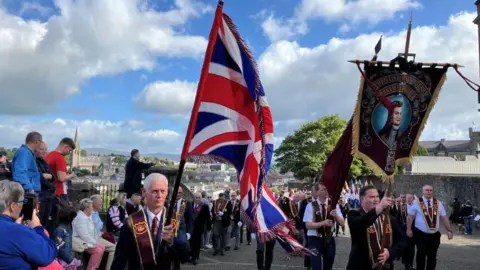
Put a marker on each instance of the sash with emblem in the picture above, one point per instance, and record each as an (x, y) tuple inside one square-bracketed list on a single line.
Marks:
[(321, 215), (220, 206), (235, 208), (293, 209), (375, 240), (143, 238), (430, 214), (177, 217)]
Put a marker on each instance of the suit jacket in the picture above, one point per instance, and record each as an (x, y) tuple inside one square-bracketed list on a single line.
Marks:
[(133, 176), (126, 251), (358, 223), (201, 217), (284, 204), (226, 214), (299, 221), (236, 212)]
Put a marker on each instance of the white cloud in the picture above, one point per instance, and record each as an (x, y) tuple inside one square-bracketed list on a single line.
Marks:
[(277, 28), (350, 13), (121, 136), (302, 81), (171, 98), (372, 11), (34, 7), (49, 60)]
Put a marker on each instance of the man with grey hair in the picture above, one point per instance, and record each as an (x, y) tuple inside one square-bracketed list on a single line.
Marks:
[(146, 229), (22, 246), (201, 222)]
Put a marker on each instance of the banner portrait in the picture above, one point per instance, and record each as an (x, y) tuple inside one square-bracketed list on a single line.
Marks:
[(392, 109)]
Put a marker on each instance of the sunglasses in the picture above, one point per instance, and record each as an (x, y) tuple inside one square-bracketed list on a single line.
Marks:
[(24, 201)]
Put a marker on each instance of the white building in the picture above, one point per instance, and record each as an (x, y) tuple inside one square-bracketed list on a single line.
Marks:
[(445, 165)]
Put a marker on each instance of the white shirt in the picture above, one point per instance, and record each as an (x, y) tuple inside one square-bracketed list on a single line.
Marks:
[(309, 217), (420, 224), (151, 216)]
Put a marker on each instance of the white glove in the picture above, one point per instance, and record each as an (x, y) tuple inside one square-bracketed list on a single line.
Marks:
[(231, 217), (239, 224), (220, 213), (188, 236)]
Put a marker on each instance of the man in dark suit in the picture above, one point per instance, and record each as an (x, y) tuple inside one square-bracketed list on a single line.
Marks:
[(133, 173), (236, 222), (221, 211), (368, 227), (201, 221), (140, 237)]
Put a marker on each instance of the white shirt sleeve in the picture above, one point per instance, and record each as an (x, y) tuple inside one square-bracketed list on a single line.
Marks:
[(412, 210), (308, 217), (339, 212), (441, 209)]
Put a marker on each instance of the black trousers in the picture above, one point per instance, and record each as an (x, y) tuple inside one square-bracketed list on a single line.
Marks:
[(326, 252), (248, 234), (427, 247), (47, 213), (409, 253), (195, 243)]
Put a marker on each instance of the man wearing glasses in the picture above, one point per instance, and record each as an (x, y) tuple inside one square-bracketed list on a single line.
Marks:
[(24, 164)]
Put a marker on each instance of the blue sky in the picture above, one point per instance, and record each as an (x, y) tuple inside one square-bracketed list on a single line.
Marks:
[(108, 94)]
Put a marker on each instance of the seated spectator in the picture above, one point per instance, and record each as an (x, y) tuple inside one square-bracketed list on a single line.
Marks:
[(5, 167), (133, 204), (106, 239), (63, 237), (84, 230), (117, 213), (22, 246)]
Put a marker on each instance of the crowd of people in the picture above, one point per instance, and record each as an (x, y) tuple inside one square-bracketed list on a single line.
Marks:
[(57, 235), (410, 232)]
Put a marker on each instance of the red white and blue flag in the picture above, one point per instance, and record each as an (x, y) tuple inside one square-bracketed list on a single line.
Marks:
[(232, 122)]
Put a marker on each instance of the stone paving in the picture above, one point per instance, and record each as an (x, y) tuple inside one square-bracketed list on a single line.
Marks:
[(462, 253)]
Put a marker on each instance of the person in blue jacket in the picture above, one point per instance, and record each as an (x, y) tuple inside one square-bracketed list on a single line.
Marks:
[(24, 164), (22, 247)]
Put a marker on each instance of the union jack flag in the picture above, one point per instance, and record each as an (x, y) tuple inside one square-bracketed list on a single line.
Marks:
[(232, 122)]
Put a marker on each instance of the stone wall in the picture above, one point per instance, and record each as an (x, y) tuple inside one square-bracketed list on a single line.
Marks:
[(445, 187)]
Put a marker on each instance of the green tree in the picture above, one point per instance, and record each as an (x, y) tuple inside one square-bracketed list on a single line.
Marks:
[(83, 153), (421, 151), (306, 150)]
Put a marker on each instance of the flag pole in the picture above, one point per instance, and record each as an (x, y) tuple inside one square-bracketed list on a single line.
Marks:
[(193, 117)]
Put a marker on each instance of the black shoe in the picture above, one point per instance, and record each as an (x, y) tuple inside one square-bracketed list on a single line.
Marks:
[(236, 248), (194, 262), (227, 248), (221, 253), (249, 243), (215, 253)]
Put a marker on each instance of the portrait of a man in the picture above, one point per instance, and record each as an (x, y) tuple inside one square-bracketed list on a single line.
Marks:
[(391, 130)]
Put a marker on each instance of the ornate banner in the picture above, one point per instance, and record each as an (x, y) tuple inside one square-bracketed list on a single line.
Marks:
[(392, 108)]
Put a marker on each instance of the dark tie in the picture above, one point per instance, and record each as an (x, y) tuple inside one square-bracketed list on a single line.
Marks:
[(378, 228), (155, 228), (324, 215), (430, 209)]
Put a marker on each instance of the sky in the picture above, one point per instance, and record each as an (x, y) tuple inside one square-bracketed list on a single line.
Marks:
[(125, 71)]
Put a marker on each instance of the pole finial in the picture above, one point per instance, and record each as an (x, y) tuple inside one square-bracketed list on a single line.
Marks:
[(409, 33)]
